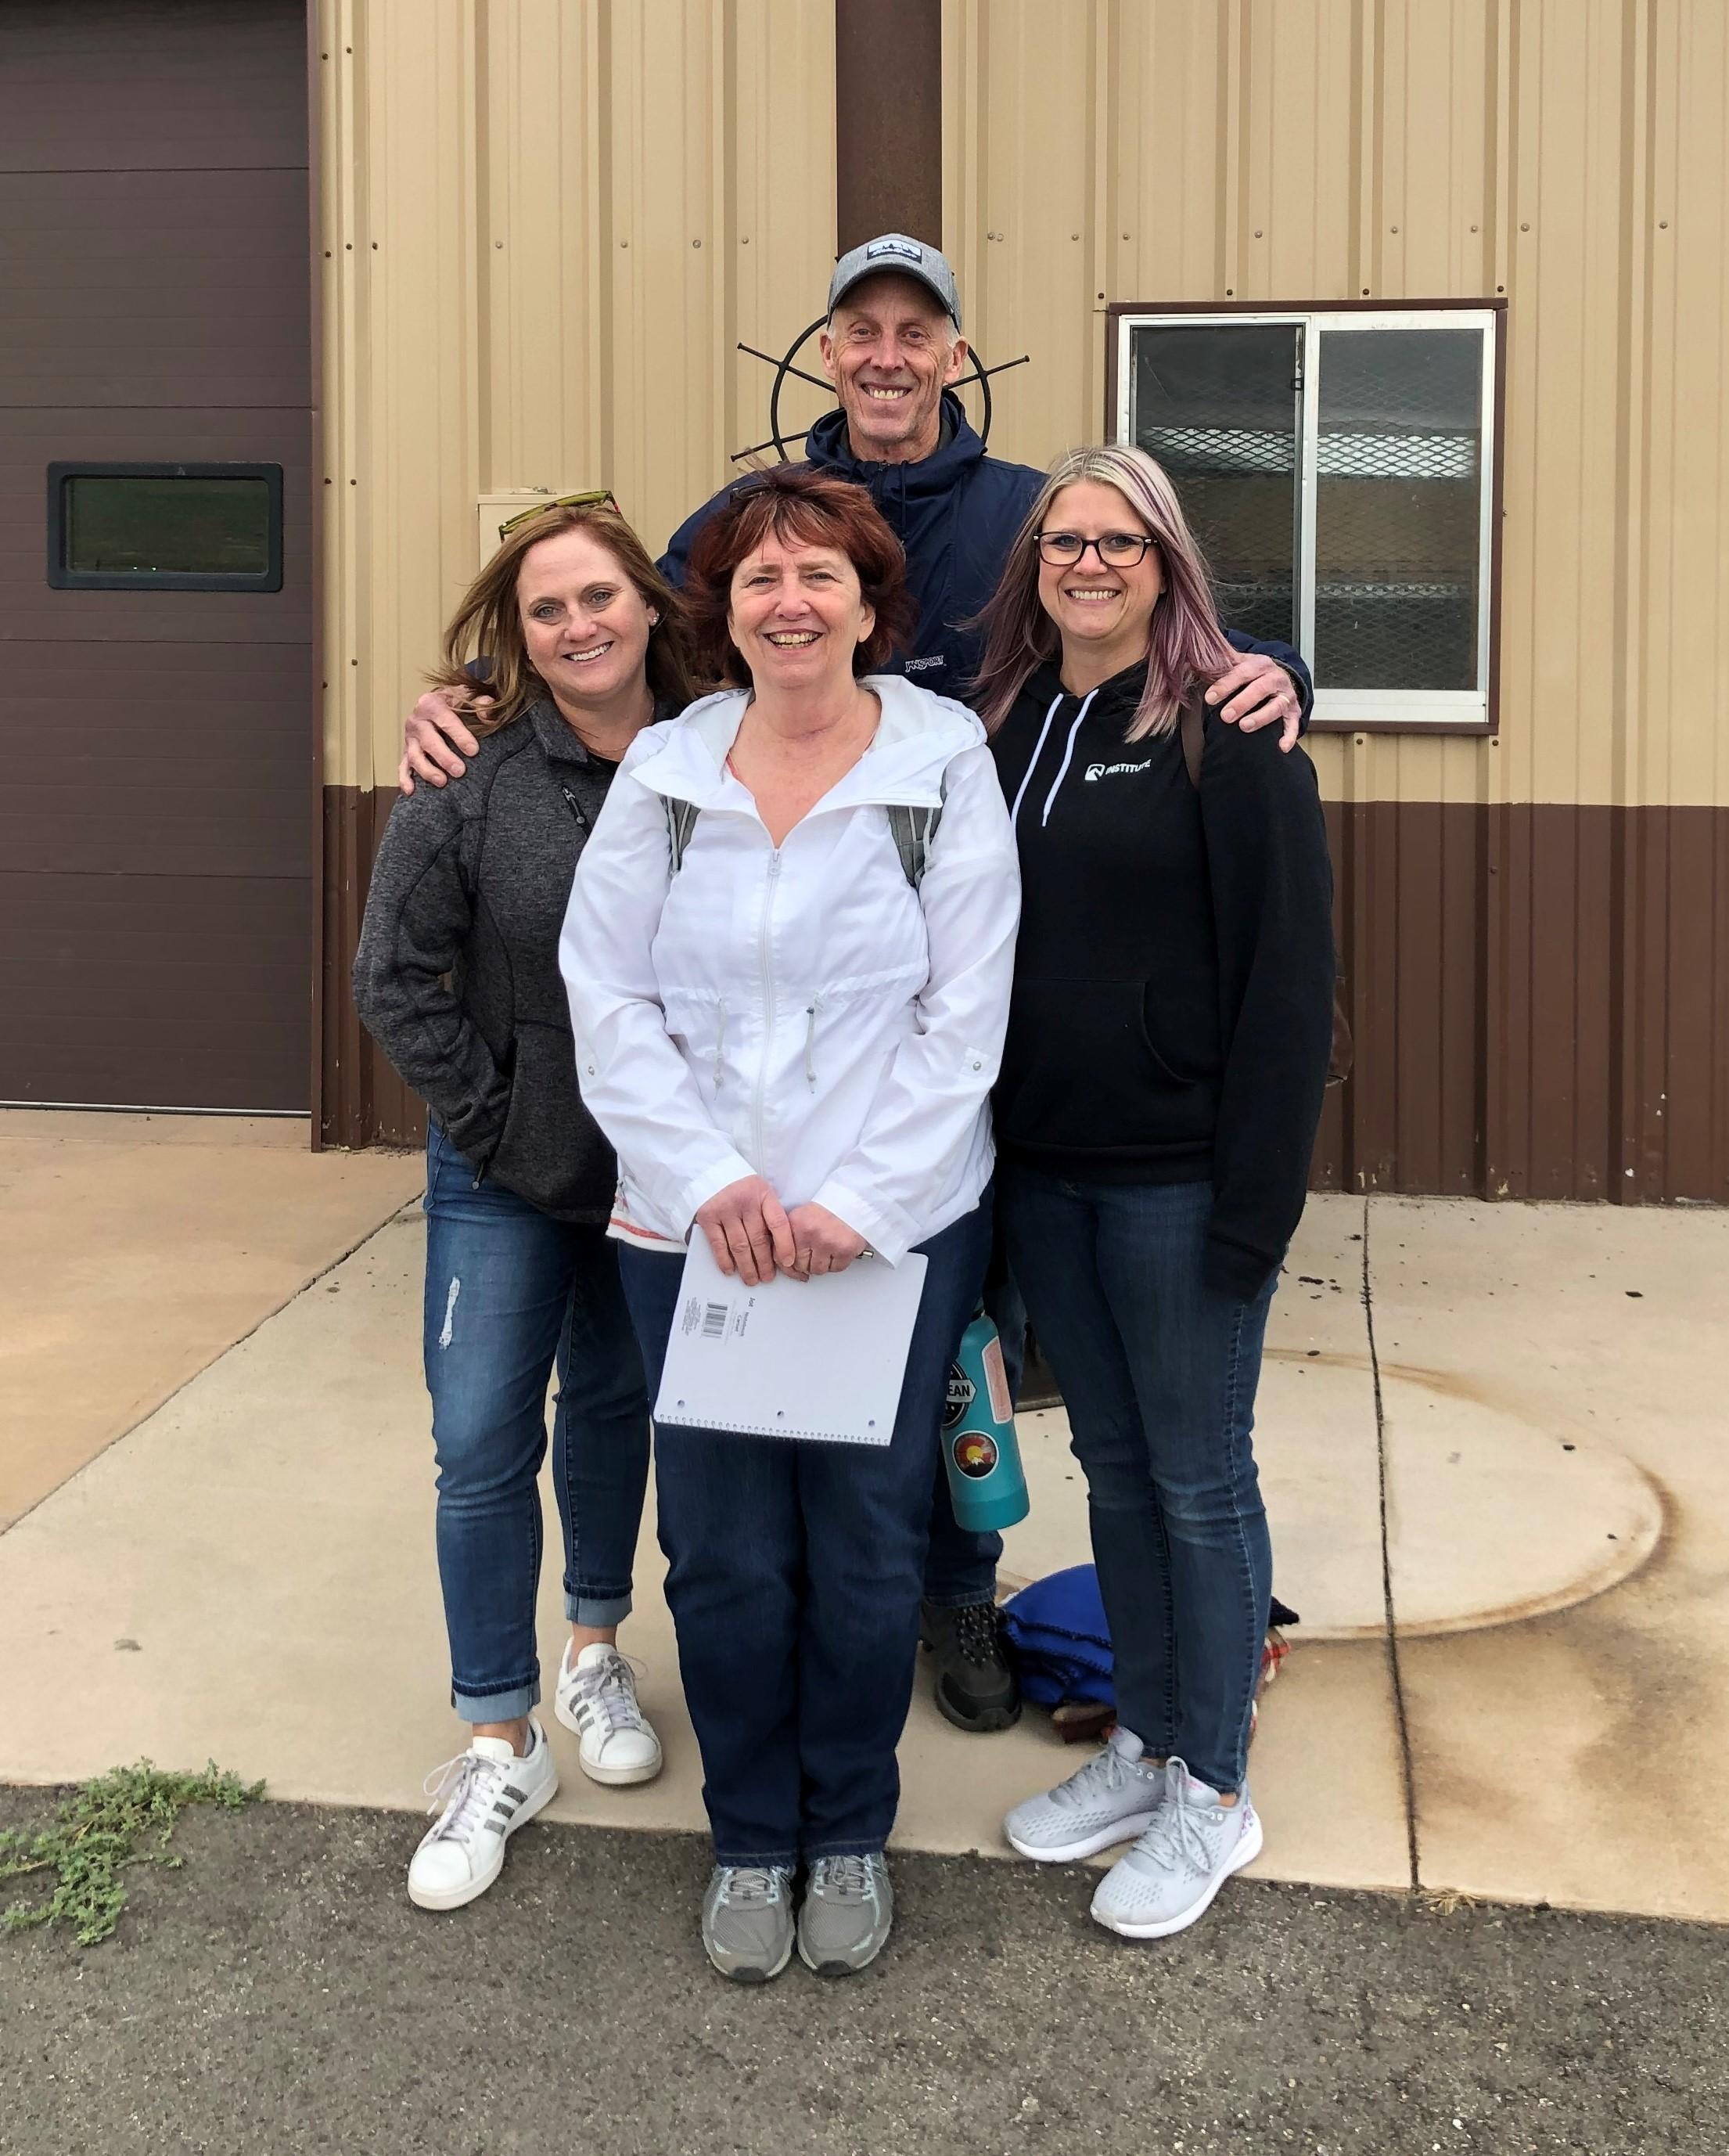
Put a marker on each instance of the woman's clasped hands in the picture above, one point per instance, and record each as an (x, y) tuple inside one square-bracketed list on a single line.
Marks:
[(752, 1233)]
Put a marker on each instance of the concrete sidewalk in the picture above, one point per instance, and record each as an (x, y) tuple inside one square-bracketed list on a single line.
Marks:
[(1492, 1443)]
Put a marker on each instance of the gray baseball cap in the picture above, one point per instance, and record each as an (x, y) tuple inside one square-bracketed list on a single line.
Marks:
[(892, 254)]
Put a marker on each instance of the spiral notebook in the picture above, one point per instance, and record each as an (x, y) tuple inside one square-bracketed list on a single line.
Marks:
[(820, 1358)]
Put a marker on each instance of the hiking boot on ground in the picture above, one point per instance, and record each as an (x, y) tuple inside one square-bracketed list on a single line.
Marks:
[(596, 1697), (1114, 1797), (481, 1796), (747, 1921), (1172, 1873), (976, 1689), (848, 1912)]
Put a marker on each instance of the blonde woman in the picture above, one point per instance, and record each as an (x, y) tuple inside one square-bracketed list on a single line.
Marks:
[(584, 645), (1162, 1081)]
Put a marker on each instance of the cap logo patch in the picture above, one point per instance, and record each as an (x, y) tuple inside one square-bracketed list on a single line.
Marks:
[(904, 247)]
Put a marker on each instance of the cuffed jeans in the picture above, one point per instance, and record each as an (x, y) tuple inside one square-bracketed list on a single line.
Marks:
[(510, 1291), (1158, 1372), (794, 1571)]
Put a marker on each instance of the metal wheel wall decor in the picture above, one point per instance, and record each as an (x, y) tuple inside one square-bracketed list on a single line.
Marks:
[(782, 367)]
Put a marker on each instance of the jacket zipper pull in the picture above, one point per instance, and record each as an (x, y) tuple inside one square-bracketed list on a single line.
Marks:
[(810, 1042)]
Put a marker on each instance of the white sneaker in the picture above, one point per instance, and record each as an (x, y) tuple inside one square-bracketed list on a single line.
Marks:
[(596, 1697), (1171, 1874), (485, 1793), (1112, 1799)]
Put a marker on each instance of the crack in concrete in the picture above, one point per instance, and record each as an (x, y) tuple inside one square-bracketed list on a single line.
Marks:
[(1395, 1676)]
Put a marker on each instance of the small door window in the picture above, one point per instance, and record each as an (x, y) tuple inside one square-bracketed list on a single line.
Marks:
[(164, 528)]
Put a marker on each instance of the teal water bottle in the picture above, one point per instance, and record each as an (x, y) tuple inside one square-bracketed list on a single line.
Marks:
[(978, 1442)]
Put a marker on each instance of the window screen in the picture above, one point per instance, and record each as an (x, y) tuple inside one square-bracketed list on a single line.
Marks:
[(185, 528), (1336, 469)]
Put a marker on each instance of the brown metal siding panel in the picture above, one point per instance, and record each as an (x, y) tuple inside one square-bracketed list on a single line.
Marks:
[(154, 991), (888, 120), (154, 830), (365, 1103), (231, 63)]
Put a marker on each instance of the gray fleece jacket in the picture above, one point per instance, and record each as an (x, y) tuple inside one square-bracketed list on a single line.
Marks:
[(457, 974)]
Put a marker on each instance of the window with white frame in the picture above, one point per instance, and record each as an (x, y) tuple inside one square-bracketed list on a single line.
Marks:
[(1337, 469)]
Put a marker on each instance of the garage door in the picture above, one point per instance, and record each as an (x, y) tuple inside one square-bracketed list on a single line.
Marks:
[(156, 601)]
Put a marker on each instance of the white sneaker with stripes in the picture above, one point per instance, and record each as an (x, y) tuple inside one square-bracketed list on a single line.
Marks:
[(482, 1797), (595, 1698)]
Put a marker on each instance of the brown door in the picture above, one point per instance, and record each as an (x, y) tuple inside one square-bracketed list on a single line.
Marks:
[(155, 698)]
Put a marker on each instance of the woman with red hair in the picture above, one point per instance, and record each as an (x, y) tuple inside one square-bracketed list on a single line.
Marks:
[(788, 952)]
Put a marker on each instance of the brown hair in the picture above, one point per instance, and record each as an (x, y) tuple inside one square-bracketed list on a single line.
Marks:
[(488, 624), (797, 502), (1185, 644)]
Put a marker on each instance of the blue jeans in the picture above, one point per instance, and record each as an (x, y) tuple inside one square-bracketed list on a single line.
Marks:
[(1158, 1373), (793, 1573), (509, 1292), (961, 1566)]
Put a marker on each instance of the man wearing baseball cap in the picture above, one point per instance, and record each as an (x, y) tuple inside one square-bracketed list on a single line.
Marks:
[(893, 348)]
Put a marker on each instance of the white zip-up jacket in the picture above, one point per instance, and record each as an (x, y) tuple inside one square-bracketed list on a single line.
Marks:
[(798, 1012)]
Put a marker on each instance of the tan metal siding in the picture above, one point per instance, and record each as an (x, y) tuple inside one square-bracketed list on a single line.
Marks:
[(547, 224), (1567, 151)]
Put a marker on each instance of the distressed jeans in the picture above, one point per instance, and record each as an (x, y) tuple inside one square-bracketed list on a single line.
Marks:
[(1158, 1373), (509, 1292), (794, 1569)]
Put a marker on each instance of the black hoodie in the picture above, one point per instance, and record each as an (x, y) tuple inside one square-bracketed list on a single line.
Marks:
[(1172, 1007)]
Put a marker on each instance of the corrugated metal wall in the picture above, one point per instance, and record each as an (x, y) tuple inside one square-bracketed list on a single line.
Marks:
[(1538, 926), (545, 227)]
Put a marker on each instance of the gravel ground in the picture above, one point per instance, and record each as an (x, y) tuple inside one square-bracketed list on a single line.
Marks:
[(279, 1995)]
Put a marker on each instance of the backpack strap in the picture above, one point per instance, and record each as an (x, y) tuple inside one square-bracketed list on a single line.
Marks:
[(680, 822), (1192, 726), (913, 829)]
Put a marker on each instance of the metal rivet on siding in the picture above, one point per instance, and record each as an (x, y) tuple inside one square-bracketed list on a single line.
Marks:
[(1474, 228), (375, 247), (1257, 232), (696, 243), (1365, 291), (744, 243), (993, 235), (1501, 288), (1074, 235), (1126, 235), (348, 246), (1663, 224), (498, 244), (1230, 293), (1525, 227), (624, 243)]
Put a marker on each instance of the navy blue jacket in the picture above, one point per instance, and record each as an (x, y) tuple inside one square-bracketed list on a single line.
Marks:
[(955, 512)]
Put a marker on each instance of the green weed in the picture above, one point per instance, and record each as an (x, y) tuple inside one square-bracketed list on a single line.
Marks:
[(96, 1833)]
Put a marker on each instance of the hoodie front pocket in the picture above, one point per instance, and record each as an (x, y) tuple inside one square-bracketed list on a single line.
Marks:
[(1080, 1072)]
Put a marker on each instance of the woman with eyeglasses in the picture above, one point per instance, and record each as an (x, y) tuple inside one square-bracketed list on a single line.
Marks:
[(1161, 1082), (457, 978)]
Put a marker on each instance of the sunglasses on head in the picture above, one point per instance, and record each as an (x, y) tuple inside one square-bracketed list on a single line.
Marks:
[(593, 499)]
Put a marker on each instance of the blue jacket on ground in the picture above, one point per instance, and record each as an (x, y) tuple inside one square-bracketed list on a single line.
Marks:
[(955, 512)]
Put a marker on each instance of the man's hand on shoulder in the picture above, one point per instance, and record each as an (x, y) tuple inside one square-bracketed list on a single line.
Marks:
[(1256, 692), (435, 740)]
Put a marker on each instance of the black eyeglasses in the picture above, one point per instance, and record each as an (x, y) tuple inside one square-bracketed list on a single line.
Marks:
[(1116, 549)]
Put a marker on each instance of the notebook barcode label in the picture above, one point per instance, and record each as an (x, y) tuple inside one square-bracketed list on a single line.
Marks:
[(714, 1320)]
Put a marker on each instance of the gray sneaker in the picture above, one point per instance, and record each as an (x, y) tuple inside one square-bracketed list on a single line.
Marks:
[(848, 1909), (1171, 1874), (1112, 1799), (747, 1921)]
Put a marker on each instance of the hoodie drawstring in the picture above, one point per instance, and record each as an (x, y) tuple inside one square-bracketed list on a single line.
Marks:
[(1068, 753), (1037, 750), (720, 1040)]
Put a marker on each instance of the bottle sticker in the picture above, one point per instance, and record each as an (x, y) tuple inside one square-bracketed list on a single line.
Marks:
[(975, 1453), (995, 1379), (958, 1396)]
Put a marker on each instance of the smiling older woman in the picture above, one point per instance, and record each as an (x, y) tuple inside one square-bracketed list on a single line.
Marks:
[(788, 1010)]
